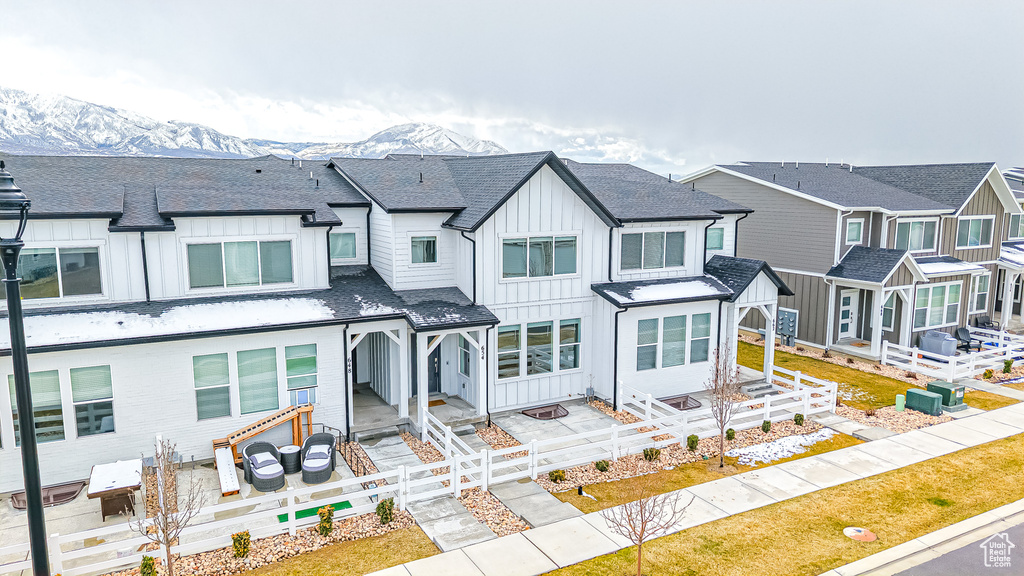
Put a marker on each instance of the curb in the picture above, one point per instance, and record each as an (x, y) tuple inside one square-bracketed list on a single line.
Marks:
[(934, 544)]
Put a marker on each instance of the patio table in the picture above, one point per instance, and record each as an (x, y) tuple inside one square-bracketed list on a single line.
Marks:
[(115, 485), (290, 459)]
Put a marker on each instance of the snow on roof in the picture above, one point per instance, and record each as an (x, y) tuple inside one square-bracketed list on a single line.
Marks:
[(947, 267), (695, 288), (1012, 255), (72, 328)]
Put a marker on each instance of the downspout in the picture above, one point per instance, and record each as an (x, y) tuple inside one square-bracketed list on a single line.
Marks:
[(348, 382), (463, 232), (329, 228), (487, 377), (840, 237), (710, 224), (145, 265), (719, 323), (610, 252), (368, 209), (736, 235), (615, 362)]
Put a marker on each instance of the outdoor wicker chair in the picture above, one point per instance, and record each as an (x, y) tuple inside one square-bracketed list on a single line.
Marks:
[(318, 458), (268, 475)]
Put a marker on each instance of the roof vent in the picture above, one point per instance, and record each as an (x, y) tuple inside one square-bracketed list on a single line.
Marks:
[(259, 171), (421, 177), (310, 174)]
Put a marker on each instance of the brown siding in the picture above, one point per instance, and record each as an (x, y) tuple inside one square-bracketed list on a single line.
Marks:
[(811, 299), (901, 277), (893, 336), (965, 290), (877, 218), (865, 237), (985, 202), (785, 231)]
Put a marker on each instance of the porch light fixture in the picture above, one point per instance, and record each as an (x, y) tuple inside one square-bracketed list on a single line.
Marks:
[(14, 204)]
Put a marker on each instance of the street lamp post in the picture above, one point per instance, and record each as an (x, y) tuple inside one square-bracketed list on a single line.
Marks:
[(14, 203)]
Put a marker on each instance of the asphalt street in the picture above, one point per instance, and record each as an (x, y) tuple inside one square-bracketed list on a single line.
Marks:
[(970, 559)]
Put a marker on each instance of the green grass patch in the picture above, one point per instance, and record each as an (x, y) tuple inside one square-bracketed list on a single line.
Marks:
[(804, 535), (309, 512)]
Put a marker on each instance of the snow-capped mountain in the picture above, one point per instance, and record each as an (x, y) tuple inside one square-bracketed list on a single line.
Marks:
[(37, 124)]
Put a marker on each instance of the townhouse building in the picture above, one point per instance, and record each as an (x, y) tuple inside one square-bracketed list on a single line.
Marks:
[(189, 297)]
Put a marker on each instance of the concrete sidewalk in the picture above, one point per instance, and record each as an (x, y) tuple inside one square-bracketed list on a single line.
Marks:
[(543, 549)]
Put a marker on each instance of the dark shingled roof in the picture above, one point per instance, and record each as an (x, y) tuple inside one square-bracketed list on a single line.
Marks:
[(867, 264), (357, 294), (738, 273), (394, 182), (937, 187), (621, 294), (634, 194), (126, 189)]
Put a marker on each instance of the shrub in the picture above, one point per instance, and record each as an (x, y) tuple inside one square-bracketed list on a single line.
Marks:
[(826, 355), (691, 442), (556, 476), (652, 454), (386, 510), (876, 366), (1007, 366), (910, 375), (798, 419), (730, 434), (766, 426), (849, 360), (988, 374), (799, 348), (148, 566), (869, 412), (326, 524), (240, 544), (602, 465)]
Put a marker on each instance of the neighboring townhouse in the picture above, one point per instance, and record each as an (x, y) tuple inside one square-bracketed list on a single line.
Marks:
[(877, 253), (190, 298)]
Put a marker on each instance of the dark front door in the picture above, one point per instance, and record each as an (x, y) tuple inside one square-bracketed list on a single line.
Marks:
[(434, 371)]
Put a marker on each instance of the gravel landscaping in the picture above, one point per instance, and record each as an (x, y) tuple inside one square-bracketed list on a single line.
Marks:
[(890, 419), (498, 439)]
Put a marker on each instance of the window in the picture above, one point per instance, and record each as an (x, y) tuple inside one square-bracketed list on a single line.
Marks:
[(538, 348), (235, 264), (213, 390), (974, 232), (424, 249), (48, 413), (464, 356), (937, 305), (538, 257), (569, 344), (915, 235), (1016, 226), (300, 372), (508, 351), (257, 380), (854, 230), (677, 334), (889, 313), (92, 394), (716, 239), (652, 250), (343, 245), (979, 293), (41, 277)]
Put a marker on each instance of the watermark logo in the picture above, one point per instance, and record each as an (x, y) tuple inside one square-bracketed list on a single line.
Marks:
[(997, 550)]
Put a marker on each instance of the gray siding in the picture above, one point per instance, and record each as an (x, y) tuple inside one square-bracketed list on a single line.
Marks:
[(865, 234), (901, 277), (785, 231), (877, 220), (985, 202), (811, 299)]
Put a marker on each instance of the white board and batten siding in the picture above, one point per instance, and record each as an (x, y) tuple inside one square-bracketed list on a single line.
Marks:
[(761, 291), (454, 382), (143, 377), (353, 220), (543, 206), (382, 243), (120, 255), (409, 276), (728, 226), (167, 256), (693, 255)]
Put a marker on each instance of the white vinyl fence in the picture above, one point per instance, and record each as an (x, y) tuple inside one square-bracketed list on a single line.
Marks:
[(213, 527), (997, 347)]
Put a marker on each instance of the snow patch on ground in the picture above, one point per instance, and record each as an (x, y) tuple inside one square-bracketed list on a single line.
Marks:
[(98, 326), (779, 449)]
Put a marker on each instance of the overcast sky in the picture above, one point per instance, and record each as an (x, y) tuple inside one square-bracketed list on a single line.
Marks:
[(670, 86)]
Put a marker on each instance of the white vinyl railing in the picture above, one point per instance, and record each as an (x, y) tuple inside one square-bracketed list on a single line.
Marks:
[(997, 347), (440, 435)]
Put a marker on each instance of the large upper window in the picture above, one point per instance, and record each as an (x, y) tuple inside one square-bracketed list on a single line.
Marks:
[(424, 249), (93, 396), (854, 230), (540, 347), (979, 293), (343, 245), (77, 275), (937, 305), (1016, 226), (234, 264), (915, 235), (672, 336), (213, 389), (257, 380), (48, 413), (300, 368), (716, 239), (537, 257), (652, 250), (974, 232)]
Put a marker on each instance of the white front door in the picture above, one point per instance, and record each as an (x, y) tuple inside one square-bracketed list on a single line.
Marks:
[(848, 313)]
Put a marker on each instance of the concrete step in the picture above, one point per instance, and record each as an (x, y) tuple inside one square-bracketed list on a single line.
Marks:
[(464, 429), (758, 389), (375, 433)]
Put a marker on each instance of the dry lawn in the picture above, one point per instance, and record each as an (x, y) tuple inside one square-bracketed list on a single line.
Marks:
[(987, 400), (804, 535), (356, 556), (610, 494)]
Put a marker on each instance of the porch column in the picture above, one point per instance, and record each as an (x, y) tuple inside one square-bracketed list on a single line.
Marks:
[(404, 356), (769, 341), (830, 319), (1006, 310), (481, 374), (907, 321), (422, 394), (349, 379), (876, 322)]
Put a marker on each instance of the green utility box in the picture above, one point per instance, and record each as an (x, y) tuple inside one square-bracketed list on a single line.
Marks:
[(927, 402), (952, 395)]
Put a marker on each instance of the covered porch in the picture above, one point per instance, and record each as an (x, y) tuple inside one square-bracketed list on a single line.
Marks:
[(1008, 287), (451, 376)]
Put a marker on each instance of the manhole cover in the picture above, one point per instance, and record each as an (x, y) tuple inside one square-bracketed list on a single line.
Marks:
[(861, 534)]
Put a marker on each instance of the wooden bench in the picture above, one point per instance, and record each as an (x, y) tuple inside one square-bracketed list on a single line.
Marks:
[(225, 462)]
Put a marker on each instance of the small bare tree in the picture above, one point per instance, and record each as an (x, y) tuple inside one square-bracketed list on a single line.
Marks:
[(647, 515), (173, 508), (724, 385)]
